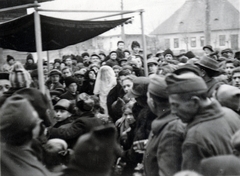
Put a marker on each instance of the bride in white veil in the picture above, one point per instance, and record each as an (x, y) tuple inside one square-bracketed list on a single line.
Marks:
[(105, 81)]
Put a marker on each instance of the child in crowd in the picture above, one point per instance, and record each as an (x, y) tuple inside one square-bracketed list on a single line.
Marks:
[(63, 110)]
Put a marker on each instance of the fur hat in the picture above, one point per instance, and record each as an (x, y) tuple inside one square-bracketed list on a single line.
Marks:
[(18, 117), (95, 152), (19, 77), (69, 80)]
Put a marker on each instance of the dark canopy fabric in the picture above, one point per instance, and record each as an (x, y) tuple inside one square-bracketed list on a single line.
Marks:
[(11, 3), (19, 34)]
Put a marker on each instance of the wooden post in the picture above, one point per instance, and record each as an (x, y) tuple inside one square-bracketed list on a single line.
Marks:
[(207, 31), (122, 26), (144, 45), (38, 37)]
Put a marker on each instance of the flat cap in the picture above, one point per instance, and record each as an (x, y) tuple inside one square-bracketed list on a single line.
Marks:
[(185, 83), (55, 72)]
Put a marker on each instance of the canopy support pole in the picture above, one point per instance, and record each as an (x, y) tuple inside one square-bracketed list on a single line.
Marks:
[(144, 46), (18, 7), (38, 37)]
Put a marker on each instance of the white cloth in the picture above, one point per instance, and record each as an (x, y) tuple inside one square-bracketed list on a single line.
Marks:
[(105, 81)]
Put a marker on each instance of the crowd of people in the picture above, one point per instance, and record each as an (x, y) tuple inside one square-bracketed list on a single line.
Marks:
[(101, 115)]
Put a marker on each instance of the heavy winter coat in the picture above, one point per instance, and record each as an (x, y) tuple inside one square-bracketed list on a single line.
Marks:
[(209, 134), (163, 154)]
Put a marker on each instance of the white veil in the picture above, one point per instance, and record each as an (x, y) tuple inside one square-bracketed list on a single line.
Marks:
[(105, 81)]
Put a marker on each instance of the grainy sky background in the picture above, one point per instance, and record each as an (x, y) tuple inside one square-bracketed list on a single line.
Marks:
[(156, 11)]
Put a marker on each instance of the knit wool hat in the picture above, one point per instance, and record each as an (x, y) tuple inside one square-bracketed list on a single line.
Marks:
[(69, 80), (185, 83), (17, 117), (19, 77), (94, 152), (158, 86)]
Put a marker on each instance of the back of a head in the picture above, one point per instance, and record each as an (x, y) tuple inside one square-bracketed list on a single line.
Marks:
[(19, 77), (18, 119), (224, 165), (94, 152), (39, 102)]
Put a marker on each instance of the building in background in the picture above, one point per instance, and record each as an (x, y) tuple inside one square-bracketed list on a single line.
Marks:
[(185, 28)]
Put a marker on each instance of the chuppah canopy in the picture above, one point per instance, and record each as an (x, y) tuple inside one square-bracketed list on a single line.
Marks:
[(19, 34)]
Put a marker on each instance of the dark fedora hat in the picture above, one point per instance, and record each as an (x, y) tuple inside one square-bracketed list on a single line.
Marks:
[(209, 47), (209, 63)]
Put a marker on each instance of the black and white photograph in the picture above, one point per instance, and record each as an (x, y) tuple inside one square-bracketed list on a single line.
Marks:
[(120, 87)]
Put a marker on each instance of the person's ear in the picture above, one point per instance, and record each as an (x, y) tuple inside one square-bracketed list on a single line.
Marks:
[(196, 101), (202, 72)]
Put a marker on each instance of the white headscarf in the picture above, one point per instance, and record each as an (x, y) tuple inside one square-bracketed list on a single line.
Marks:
[(105, 81)]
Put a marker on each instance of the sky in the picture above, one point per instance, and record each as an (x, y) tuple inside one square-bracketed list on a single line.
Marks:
[(155, 11)]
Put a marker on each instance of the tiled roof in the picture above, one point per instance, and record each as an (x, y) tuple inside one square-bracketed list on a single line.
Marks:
[(191, 17)]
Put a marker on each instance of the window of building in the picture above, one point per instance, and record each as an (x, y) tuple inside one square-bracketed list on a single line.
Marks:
[(176, 43), (222, 40), (167, 43), (193, 42), (202, 41)]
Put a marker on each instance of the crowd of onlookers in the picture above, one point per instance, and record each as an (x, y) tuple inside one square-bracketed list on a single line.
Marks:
[(101, 115)]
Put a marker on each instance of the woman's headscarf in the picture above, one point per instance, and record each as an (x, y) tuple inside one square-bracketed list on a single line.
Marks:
[(105, 81)]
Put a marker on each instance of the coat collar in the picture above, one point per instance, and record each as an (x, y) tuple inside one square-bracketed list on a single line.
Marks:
[(210, 112), (162, 121)]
